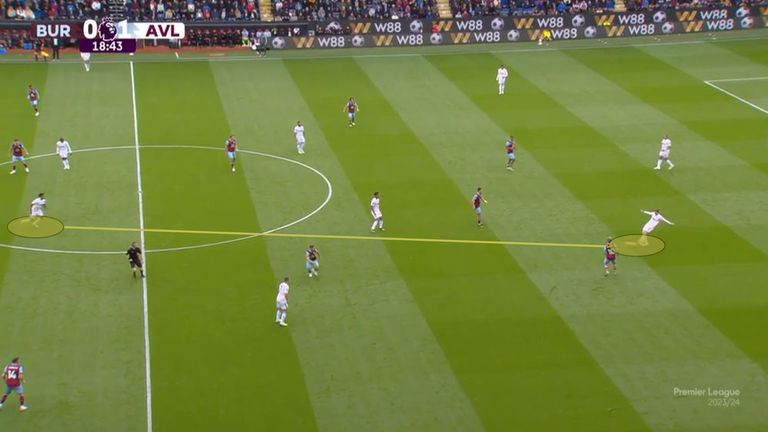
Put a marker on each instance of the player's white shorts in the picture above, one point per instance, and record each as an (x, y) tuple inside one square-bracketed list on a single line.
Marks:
[(376, 214), (282, 305), (502, 80), (34, 103), (85, 56), (664, 154), (64, 155), (300, 140), (650, 226), (36, 212)]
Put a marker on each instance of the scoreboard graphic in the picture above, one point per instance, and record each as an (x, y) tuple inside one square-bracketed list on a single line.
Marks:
[(108, 36)]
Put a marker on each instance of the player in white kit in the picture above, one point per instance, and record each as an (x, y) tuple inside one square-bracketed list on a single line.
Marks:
[(86, 60), (63, 149), (298, 132), (652, 223), (282, 302), (666, 147), (378, 218), (501, 78)]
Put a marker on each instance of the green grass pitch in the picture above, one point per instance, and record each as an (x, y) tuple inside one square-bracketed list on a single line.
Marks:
[(395, 335)]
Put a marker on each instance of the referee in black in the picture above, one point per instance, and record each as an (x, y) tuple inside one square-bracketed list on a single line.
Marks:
[(136, 259)]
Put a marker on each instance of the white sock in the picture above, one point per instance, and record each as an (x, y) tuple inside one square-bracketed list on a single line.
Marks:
[(373, 227), (669, 162), (658, 163), (381, 224), (87, 68), (277, 315), (282, 318)]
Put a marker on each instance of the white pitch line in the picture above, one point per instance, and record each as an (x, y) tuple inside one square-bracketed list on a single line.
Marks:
[(738, 98), (144, 249), (738, 79)]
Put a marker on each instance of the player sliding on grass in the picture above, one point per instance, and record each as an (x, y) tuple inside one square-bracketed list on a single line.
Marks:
[(17, 152), (378, 218), (652, 223), (666, 147), (610, 256), (231, 145), (477, 200), (511, 146), (13, 375), (351, 109)]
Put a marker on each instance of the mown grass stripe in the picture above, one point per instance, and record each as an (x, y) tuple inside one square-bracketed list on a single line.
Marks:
[(217, 324)]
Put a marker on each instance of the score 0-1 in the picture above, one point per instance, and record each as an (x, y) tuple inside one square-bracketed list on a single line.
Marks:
[(106, 36)]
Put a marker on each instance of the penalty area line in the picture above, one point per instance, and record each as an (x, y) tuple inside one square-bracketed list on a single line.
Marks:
[(336, 237)]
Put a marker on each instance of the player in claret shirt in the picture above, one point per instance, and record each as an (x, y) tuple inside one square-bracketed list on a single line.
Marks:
[(13, 375), (231, 145), (351, 109), (33, 97), (610, 256), (313, 261), (17, 152), (510, 147), (477, 200)]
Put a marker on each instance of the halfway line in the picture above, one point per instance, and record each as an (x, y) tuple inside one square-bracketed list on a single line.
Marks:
[(337, 237)]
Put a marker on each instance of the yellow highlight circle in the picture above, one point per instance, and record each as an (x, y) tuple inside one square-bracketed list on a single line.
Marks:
[(637, 245), (35, 226)]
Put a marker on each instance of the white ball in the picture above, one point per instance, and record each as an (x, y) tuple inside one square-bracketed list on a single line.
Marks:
[(578, 20), (659, 17), (742, 12), (416, 26), (590, 32), (668, 27), (436, 38), (513, 35), (278, 43), (358, 41), (497, 24), (747, 22)]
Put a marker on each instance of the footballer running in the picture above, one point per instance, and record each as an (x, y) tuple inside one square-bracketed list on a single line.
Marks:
[(653, 222), (63, 149), (378, 218), (298, 133), (282, 302), (13, 375), (510, 146), (351, 109), (313, 261), (33, 97), (135, 259), (666, 147), (609, 250), (231, 146)]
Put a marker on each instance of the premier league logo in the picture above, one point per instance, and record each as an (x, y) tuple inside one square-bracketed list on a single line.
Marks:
[(107, 30)]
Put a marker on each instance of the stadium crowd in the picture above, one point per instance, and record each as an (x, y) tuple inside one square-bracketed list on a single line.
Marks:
[(306, 10), (327, 10)]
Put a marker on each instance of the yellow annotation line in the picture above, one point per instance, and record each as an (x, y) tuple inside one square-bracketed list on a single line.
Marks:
[(336, 237)]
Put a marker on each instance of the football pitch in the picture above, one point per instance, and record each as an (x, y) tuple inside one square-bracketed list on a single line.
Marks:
[(434, 324)]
